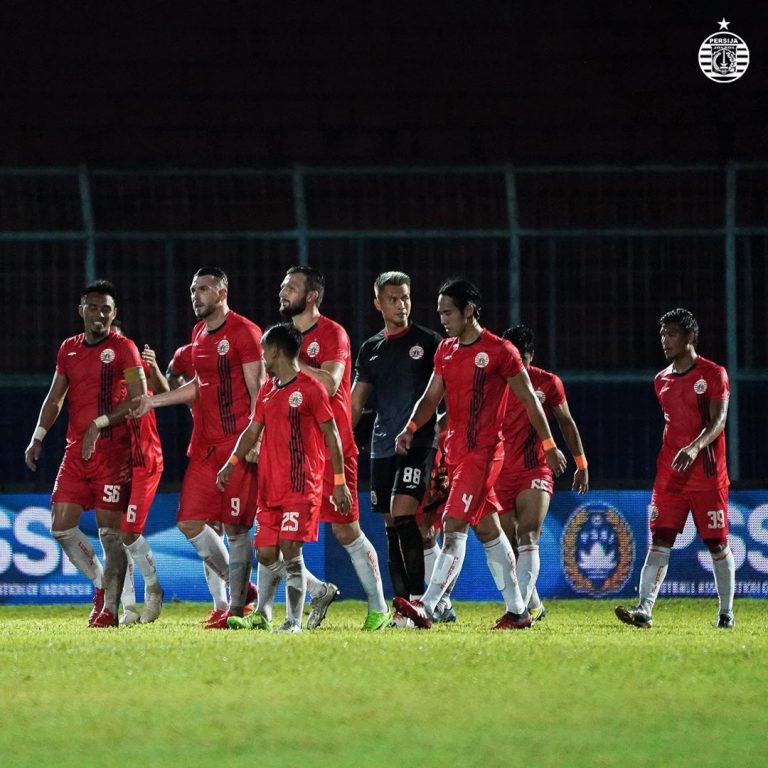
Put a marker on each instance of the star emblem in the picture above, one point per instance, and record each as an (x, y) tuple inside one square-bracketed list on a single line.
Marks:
[(723, 24)]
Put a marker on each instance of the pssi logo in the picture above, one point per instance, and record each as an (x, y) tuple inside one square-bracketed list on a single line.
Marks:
[(598, 550)]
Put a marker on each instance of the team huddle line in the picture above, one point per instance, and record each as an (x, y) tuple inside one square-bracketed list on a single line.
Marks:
[(461, 439)]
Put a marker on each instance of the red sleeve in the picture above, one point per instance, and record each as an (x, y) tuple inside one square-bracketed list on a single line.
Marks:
[(258, 410), (249, 343), (555, 392), (719, 387), (657, 388), (129, 355), (61, 361), (510, 363), (438, 363), (182, 362), (336, 348)]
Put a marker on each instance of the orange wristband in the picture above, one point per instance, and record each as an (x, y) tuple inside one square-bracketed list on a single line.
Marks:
[(548, 444), (411, 426), (581, 461), (233, 460), (339, 479)]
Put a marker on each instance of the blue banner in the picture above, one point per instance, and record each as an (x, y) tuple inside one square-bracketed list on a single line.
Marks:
[(590, 547)]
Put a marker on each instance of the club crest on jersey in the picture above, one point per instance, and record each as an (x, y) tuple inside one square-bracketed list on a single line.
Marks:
[(295, 399), (416, 352), (597, 550), (374, 498), (222, 347), (313, 350), (482, 359), (700, 387), (107, 355), (542, 397)]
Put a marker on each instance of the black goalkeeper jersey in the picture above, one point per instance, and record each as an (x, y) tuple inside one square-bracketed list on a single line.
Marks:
[(399, 368)]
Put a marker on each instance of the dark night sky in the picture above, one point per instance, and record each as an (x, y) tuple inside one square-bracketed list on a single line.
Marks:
[(139, 84)]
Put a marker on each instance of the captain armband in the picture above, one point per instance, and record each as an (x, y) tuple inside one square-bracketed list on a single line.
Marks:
[(132, 375)]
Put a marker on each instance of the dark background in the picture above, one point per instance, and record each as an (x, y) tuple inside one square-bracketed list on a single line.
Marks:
[(134, 85), (130, 84)]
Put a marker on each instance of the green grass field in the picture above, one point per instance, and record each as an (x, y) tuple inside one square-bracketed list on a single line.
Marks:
[(579, 689)]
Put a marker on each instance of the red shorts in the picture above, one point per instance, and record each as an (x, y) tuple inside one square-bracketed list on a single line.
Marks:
[(103, 482), (510, 485), (328, 511), (669, 511), (294, 522), (143, 489), (200, 499), (472, 497)]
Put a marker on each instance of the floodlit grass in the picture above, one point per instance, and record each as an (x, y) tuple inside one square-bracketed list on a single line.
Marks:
[(579, 689)]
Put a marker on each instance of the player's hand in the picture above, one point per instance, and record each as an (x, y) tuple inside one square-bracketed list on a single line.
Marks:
[(403, 442), (90, 437), (252, 456), (32, 454), (140, 406), (225, 473), (555, 460), (342, 498), (149, 357), (580, 481), (685, 458)]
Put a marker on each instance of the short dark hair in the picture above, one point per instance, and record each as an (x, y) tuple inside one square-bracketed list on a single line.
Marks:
[(685, 319), (286, 337), (390, 278), (315, 279), (100, 286), (522, 337), (219, 274), (463, 293)]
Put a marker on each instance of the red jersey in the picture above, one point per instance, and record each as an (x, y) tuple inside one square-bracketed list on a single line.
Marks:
[(182, 363), (292, 457), (95, 376), (475, 377), (146, 449), (223, 406), (522, 446), (684, 398), (326, 341)]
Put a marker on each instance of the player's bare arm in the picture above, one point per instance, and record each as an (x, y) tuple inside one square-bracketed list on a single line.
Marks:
[(136, 384), (718, 413), (422, 412), (341, 495), (330, 374), (249, 437), (361, 391), (156, 382), (520, 384), (573, 440), (184, 395), (49, 412)]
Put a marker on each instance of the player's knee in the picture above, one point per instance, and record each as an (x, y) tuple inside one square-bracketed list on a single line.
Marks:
[(716, 546), (190, 528), (346, 533), (529, 537), (129, 537)]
